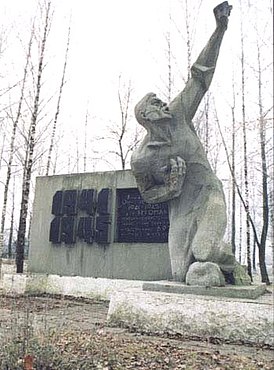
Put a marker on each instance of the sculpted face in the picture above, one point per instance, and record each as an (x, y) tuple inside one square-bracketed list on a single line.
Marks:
[(152, 110)]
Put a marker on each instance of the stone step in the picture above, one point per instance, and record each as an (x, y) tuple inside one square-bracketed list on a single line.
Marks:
[(248, 292)]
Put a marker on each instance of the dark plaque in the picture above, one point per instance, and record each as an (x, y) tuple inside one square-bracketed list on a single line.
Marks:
[(104, 202), (81, 214), (103, 229), (68, 229), (87, 201), (70, 202), (57, 204), (54, 234), (85, 230), (138, 221), (103, 220)]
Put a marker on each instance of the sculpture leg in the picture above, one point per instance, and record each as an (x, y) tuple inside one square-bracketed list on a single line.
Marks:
[(179, 243), (184, 214), (208, 247), (182, 230), (197, 227), (211, 229)]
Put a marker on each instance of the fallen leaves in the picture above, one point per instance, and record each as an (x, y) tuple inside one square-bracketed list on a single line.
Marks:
[(28, 362), (110, 351), (94, 346)]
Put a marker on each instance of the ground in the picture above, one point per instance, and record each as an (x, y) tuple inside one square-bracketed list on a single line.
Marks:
[(69, 333)]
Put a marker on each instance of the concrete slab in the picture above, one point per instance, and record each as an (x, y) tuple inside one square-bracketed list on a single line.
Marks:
[(115, 260), (76, 286), (226, 318), (222, 318), (245, 292)]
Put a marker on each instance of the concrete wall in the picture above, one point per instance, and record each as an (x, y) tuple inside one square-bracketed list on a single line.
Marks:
[(142, 261)]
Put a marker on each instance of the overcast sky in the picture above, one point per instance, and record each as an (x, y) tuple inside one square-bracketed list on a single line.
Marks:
[(128, 38)]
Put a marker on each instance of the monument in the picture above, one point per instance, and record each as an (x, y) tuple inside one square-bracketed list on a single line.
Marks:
[(170, 165), (97, 225)]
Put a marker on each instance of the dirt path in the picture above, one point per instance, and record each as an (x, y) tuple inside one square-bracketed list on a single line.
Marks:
[(85, 317)]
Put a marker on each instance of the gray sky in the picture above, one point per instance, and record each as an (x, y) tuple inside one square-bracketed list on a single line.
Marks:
[(128, 38)]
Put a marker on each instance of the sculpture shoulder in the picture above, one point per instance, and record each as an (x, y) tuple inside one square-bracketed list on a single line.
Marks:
[(178, 112)]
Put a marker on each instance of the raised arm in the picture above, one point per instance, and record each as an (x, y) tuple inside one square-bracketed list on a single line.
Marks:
[(203, 69)]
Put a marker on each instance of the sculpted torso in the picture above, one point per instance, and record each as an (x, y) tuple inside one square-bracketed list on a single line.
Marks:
[(171, 154)]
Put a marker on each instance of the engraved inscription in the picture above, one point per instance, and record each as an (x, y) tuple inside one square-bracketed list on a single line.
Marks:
[(138, 221)]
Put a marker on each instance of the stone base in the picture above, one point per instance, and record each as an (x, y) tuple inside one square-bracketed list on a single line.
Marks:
[(232, 319), (225, 319), (230, 291), (76, 286)]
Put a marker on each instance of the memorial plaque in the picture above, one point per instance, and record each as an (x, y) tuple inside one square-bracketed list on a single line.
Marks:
[(70, 202), (68, 229), (103, 220), (87, 201), (138, 221), (81, 214), (54, 233), (57, 204), (85, 229)]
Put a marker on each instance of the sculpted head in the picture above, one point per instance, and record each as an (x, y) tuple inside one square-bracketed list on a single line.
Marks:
[(151, 109)]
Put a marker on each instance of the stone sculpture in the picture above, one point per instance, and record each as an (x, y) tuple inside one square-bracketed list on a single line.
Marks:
[(171, 165)]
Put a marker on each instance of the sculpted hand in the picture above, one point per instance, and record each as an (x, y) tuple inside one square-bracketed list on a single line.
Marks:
[(174, 178), (222, 12), (171, 182)]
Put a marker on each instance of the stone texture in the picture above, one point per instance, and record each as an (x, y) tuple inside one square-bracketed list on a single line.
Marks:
[(205, 274), (14, 283), (140, 261), (153, 312), (240, 275), (171, 165), (188, 315), (76, 286), (228, 291)]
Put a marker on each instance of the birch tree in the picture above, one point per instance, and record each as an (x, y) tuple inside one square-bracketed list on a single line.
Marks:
[(20, 245), (12, 143), (245, 154), (123, 134), (233, 195), (11, 232), (264, 172), (54, 127), (124, 103), (251, 221), (85, 141)]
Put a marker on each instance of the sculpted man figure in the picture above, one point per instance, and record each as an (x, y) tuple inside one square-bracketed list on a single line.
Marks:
[(171, 165)]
